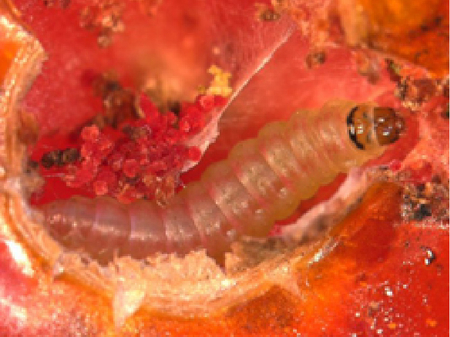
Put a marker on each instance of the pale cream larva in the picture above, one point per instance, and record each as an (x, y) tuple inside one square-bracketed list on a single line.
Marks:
[(262, 180)]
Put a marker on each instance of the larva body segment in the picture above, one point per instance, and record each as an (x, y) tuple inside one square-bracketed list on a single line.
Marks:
[(263, 180), (145, 239)]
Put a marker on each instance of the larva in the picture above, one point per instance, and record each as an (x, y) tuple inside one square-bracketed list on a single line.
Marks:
[(262, 180)]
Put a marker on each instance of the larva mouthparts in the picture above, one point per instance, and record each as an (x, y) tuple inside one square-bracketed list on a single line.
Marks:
[(263, 180)]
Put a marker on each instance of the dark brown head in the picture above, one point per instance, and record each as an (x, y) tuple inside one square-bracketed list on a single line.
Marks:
[(388, 125), (370, 126)]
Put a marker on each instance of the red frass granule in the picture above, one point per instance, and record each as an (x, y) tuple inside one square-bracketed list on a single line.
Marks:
[(139, 158)]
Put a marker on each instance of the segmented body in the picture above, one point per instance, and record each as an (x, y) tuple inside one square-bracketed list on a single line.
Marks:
[(263, 180)]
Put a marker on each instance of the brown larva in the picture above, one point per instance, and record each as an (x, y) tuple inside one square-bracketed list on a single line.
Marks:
[(263, 180)]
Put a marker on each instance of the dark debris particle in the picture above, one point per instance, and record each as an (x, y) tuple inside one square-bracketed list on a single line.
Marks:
[(52, 158), (62, 3), (118, 102), (101, 121), (104, 18), (445, 88), (133, 132), (174, 106), (132, 180), (425, 200), (266, 13), (110, 85), (393, 70), (105, 83), (70, 156), (445, 113), (415, 92), (315, 59), (32, 165), (423, 212), (59, 157), (373, 308), (269, 15)]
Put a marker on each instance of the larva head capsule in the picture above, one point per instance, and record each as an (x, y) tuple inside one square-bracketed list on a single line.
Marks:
[(388, 125), (370, 126)]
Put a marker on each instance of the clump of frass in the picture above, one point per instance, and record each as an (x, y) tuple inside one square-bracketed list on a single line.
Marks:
[(140, 158)]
